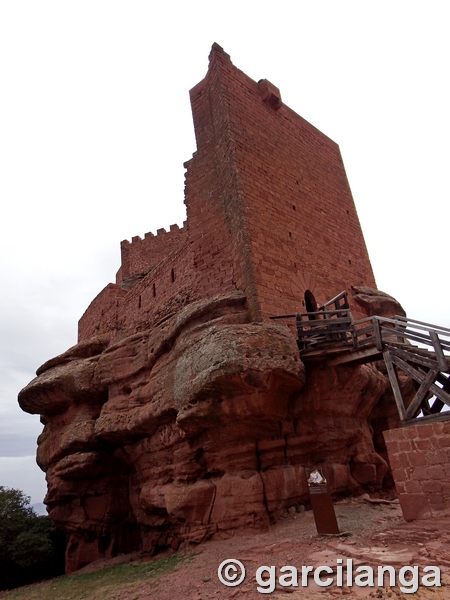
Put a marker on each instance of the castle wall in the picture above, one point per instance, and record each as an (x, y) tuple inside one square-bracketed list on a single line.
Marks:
[(419, 457), (269, 213), (101, 315), (141, 255), (166, 289), (211, 194)]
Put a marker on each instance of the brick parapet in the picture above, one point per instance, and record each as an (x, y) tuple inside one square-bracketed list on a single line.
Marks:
[(419, 456), (141, 255)]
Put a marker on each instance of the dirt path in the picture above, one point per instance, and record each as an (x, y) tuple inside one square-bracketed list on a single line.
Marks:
[(376, 535)]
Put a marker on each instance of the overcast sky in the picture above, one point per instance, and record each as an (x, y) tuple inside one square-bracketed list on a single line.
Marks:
[(95, 125)]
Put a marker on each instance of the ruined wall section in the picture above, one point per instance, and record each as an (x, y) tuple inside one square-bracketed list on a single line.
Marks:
[(165, 289), (160, 267), (299, 224), (419, 456), (101, 315)]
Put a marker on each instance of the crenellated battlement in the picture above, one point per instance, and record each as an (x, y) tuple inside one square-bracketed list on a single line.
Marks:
[(159, 232), (141, 255)]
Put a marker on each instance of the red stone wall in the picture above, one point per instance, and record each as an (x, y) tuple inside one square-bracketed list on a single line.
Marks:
[(419, 456), (213, 204), (167, 288), (276, 188), (101, 315)]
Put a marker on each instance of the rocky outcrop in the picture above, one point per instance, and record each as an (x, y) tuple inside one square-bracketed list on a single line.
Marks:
[(385, 414), (190, 417), (196, 427), (376, 302)]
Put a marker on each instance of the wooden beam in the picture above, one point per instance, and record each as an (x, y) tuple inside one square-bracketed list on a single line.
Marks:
[(420, 359), (320, 353), (365, 341), (406, 333), (424, 388), (439, 393), (364, 330), (395, 385), (436, 407), (377, 332), (407, 368), (445, 416), (419, 377), (362, 356), (442, 361)]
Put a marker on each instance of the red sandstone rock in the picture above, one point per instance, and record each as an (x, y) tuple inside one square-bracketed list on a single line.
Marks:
[(375, 302), (192, 428)]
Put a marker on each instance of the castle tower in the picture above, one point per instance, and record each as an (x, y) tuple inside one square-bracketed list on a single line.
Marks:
[(269, 213), (269, 206)]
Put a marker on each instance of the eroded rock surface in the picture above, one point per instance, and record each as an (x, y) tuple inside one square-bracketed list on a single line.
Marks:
[(376, 302), (201, 425)]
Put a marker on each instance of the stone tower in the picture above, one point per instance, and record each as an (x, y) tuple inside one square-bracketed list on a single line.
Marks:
[(269, 191), (269, 213)]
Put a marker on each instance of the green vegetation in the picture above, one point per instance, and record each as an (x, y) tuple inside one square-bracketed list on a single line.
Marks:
[(31, 548), (111, 582)]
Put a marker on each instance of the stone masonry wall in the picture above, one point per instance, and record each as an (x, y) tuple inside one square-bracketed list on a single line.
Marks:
[(289, 202), (101, 315), (268, 191), (140, 255), (419, 456), (169, 286)]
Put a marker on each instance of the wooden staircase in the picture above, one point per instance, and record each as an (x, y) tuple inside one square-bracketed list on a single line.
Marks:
[(419, 349)]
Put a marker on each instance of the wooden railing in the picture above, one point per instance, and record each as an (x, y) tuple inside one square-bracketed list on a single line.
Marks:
[(381, 330), (324, 329), (330, 326), (421, 350)]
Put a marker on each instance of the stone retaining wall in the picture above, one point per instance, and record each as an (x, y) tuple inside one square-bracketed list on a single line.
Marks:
[(419, 456)]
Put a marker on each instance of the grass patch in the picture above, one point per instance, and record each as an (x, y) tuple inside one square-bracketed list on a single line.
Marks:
[(109, 583)]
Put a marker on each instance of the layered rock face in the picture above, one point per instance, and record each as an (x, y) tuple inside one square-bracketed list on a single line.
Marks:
[(201, 425)]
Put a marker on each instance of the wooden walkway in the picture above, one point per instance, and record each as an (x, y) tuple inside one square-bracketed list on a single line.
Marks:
[(419, 349)]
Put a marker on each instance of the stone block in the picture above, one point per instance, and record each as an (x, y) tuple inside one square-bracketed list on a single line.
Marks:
[(415, 506), (438, 505), (416, 458)]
